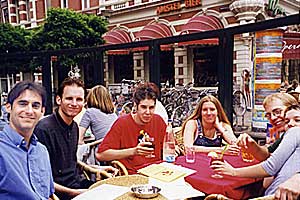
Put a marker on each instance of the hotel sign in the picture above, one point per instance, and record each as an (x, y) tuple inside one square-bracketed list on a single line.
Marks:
[(291, 48), (288, 45), (291, 45), (177, 6)]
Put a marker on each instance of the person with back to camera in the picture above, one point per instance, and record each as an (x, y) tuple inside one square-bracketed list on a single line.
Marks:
[(126, 142), (283, 164), (25, 171), (208, 126), (99, 115)]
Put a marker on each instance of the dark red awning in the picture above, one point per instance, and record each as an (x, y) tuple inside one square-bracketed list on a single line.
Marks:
[(199, 24), (117, 36), (153, 31), (291, 45)]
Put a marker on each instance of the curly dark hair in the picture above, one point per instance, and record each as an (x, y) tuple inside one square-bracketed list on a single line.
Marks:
[(144, 91)]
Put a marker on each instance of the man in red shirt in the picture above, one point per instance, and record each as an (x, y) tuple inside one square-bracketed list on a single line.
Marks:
[(126, 139)]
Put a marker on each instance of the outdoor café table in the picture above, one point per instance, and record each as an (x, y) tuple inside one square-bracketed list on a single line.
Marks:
[(232, 187), (126, 180)]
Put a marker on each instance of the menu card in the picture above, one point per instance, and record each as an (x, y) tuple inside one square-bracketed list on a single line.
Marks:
[(104, 191), (162, 172)]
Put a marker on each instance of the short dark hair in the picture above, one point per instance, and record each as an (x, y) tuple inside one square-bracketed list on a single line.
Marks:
[(155, 88), (292, 107), (295, 83), (68, 82), (144, 91), (20, 87)]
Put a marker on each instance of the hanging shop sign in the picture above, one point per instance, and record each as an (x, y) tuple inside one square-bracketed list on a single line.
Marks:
[(287, 45), (291, 46), (175, 6)]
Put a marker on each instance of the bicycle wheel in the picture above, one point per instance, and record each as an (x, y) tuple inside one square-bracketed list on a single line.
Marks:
[(169, 108), (239, 103), (179, 115)]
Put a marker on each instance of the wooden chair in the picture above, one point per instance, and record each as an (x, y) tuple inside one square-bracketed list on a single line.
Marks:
[(127, 180), (54, 197), (92, 171), (118, 165), (86, 152), (179, 141), (216, 197), (269, 197)]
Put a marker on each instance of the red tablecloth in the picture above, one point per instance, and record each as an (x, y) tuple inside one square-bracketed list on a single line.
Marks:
[(232, 187)]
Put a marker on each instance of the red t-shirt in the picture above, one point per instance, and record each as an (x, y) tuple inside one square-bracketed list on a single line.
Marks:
[(124, 134)]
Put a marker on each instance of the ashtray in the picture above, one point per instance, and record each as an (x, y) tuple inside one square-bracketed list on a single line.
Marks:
[(145, 191)]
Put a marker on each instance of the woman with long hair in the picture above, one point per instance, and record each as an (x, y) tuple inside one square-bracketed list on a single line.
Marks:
[(208, 128), (99, 115)]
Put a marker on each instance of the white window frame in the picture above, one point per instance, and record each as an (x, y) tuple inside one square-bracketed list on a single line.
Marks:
[(28, 10), (64, 4), (85, 4), (3, 16)]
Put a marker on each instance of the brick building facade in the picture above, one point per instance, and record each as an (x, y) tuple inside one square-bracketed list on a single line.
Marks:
[(133, 20)]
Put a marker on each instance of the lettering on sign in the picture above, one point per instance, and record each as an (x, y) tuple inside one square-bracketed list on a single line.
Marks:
[(168, 8), (289, 46), (192, 3), (177, 6)]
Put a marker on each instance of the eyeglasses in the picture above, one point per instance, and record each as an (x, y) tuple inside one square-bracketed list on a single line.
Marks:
[(276, 113)]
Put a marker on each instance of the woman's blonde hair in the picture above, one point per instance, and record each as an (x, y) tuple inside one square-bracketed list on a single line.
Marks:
[(285, 98), (99, 97), (197, 112)]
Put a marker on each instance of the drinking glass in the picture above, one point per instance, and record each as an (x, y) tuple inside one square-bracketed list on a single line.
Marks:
[(150, 139), (247, 157), (189, 154), (212, 159)]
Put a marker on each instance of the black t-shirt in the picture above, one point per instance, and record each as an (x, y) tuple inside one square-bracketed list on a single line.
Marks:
[(274, 146), (61, 141)]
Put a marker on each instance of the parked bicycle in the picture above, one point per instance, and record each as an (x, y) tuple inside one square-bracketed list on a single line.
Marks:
[(189, 103), (181, 112), (122, 93)]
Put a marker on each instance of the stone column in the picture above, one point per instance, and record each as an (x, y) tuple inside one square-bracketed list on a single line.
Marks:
[(246, 12), (242, 59), (106, 71)]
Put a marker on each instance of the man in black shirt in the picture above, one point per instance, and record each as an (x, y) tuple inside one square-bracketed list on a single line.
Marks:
[(59, 133)]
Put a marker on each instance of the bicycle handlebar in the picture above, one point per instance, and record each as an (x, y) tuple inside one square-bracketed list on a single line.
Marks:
[(131, 82)]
